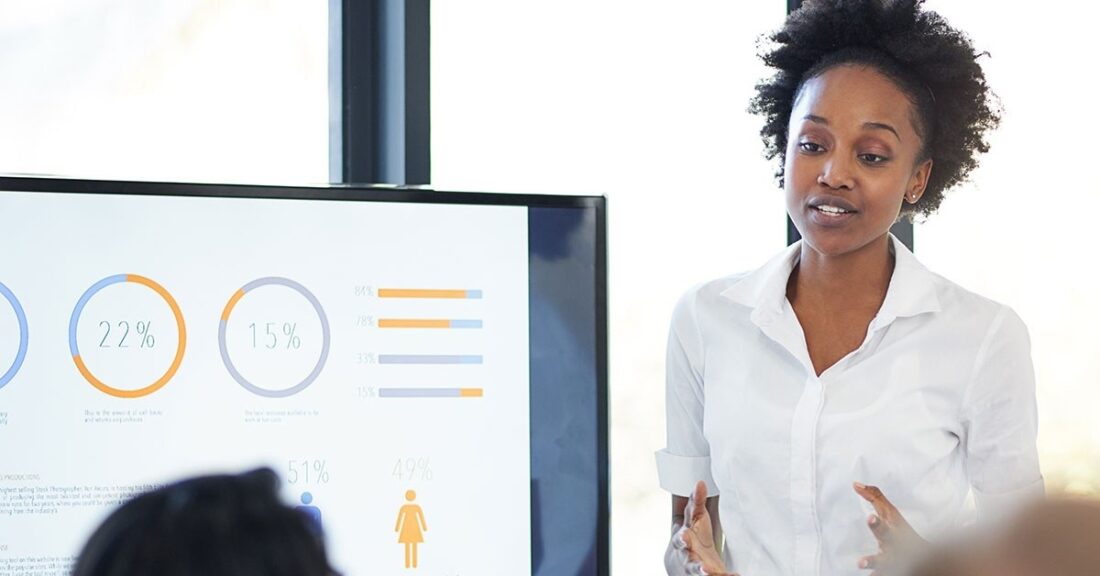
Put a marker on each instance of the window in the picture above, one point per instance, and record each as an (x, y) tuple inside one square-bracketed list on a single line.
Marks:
[(645, 104), (1022, 233), (235, 90)]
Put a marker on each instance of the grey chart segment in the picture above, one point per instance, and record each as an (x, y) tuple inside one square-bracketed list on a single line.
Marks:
[(429, 359), (430, 392), (223, 324)]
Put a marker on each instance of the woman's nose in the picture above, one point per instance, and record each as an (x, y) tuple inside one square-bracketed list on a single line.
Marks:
[(836, 173)]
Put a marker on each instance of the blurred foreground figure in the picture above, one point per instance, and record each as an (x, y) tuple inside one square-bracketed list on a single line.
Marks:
[(213, 526), (1051, 538)]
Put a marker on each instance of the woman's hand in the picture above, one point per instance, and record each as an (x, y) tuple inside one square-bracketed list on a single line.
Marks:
[(896, 538), (692, 551)]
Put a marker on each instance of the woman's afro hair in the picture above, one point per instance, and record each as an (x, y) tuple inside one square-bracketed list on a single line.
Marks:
[(934, 64)]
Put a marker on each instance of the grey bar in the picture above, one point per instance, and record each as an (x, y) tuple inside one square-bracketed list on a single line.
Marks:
[(429, 359), (419, 393)]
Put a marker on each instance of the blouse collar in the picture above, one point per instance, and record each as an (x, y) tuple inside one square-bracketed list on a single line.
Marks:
[(912, 288)]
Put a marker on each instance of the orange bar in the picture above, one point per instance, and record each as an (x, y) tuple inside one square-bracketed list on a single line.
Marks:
[(412, 323), (471, 392), (420, 293)]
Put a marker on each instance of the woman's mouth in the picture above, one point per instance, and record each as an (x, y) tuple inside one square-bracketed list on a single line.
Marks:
[(832, 210), (831, 213)]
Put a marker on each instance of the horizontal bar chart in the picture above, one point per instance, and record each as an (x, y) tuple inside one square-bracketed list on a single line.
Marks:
[(427, 323), (429, 293), (429, 359), (431, 392)]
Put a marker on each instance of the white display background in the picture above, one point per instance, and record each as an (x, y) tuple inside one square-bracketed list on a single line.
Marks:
[(58, 431)]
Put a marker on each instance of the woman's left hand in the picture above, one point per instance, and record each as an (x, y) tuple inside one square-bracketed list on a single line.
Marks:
[(896, 538)]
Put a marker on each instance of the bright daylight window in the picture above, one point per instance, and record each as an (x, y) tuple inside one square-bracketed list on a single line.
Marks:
[(235, 90), (1022, 233), (643, 103)]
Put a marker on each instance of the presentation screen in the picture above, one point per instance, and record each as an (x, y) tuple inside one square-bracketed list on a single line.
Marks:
[(426, 371)]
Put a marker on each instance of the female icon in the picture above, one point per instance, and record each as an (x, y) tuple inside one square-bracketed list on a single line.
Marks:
[(410, 528)]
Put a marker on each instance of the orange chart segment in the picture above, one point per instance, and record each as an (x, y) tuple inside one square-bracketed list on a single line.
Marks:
[(74, 348), (429, 293), (427, 323), (236, 297)]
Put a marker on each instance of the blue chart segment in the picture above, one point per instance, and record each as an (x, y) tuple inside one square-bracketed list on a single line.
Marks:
[(21, 351), (74, 349), (223, 325)]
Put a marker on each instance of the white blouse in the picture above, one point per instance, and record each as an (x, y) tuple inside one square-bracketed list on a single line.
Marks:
[(939, 399)]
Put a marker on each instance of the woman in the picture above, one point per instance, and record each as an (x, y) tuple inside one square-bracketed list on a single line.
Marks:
[(842, 401), (410, 528)]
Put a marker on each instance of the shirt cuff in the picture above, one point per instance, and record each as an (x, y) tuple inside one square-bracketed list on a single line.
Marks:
[(998, 505), (679, 474)]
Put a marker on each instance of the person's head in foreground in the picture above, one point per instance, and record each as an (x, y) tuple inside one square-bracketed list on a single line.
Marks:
[(1050, 538), (212, 525), (840, 62)]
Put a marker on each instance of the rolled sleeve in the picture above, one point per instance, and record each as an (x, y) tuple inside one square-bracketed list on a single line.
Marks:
[(686, 459), (1001, 417), (1003, 504), (679, 474)]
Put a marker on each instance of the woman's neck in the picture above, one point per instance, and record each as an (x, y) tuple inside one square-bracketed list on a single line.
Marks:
[(845, 282)]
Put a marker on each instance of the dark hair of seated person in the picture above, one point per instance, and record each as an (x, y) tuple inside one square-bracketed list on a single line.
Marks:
[(211, 525)]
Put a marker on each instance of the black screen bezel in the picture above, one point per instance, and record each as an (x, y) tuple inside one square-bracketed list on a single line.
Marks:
[(369, 193)]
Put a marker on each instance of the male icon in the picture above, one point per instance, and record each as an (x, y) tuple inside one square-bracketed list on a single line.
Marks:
[(313, 512), (410, 528)]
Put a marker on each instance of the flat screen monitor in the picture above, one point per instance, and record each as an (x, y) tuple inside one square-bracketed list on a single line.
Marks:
[(383, 350)]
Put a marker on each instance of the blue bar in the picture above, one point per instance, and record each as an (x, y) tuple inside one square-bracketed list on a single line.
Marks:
[(473, 294), (465, 323), (428, 359)]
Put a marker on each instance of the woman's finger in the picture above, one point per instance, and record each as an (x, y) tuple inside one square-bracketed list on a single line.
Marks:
[(693, 563), (691, 540), (882, 532), (870, 562), (698, 501), (883, 507), (679, 542), (677, 556)]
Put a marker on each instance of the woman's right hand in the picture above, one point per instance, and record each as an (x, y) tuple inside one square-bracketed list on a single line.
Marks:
[(691, 551)]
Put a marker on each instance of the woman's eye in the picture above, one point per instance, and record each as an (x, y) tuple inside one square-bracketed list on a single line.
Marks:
[(810, 147), (873, 158)]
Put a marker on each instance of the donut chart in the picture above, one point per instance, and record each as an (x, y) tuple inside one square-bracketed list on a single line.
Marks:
[(181, 345), (21, 351), (224, 349)]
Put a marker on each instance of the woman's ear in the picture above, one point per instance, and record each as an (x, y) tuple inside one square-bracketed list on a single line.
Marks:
[(918, 182)]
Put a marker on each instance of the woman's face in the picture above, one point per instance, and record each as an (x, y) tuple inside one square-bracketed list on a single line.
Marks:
[(851, 159)]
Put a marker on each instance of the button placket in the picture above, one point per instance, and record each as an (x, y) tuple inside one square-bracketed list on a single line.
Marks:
[(803, 472)]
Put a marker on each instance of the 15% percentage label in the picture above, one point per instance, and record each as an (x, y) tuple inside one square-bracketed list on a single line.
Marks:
[(269, 338)]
